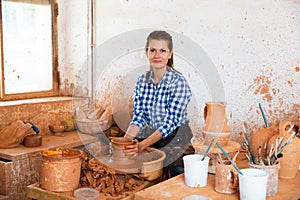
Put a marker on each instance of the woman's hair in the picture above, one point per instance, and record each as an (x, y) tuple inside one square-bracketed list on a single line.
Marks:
[(161, 35)]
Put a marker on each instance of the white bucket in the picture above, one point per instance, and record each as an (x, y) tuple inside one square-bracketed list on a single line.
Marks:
[(195, 170)]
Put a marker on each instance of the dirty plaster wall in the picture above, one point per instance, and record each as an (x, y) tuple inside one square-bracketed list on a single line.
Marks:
[(253, 46)]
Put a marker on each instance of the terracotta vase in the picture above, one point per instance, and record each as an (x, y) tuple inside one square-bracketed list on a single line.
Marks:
[(290, 161), (216, 122)]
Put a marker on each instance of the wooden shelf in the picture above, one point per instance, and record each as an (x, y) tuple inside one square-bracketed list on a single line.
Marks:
[(70, 139)]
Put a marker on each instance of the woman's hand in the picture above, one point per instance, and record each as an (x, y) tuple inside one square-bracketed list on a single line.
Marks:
[(133, 149)]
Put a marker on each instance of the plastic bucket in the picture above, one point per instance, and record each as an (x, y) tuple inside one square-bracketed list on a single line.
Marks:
[(60, 171)]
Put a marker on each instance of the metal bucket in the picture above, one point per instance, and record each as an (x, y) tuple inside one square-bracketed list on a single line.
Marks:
[(60, 171)]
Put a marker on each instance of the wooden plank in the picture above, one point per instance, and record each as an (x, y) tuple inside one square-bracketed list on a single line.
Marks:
[(175, 188), (35, 192), (4, 197), (38, 193), (70, 139)]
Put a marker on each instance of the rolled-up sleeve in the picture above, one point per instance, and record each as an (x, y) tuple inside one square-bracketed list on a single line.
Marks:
[(138, 118)]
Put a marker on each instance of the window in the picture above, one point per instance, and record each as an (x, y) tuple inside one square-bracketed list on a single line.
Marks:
[(28, 49)]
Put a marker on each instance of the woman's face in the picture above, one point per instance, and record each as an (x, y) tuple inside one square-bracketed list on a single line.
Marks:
[(158, 53)]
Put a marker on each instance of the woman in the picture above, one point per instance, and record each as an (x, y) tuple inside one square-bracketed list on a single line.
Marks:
[(161, 98)]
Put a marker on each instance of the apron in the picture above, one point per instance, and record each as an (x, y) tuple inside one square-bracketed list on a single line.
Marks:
[(175, 146)]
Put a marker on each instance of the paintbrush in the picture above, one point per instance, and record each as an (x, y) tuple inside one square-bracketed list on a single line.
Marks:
[(227, 156), (208, 148), (245, 136), (263, 114)]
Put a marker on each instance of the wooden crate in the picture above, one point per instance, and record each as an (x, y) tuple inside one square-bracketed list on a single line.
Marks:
[(16, 175)]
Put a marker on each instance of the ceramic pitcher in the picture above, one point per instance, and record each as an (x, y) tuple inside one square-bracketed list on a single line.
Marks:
[(216, 122)]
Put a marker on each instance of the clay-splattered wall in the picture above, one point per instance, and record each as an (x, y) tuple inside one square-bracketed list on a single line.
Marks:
[(41, 114), (253, 46)]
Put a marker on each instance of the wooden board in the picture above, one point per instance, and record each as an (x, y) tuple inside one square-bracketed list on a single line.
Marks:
[(35, 192), (70, 139)]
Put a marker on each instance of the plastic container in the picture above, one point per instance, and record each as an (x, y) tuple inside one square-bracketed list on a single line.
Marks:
[(196, 197), (60, 170), (86, 194)]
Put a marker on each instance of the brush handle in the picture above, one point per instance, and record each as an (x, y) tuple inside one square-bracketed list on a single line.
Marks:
[(263, 114), (227, 156)]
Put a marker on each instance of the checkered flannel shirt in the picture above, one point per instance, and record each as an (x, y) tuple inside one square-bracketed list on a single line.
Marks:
[(162, 107)]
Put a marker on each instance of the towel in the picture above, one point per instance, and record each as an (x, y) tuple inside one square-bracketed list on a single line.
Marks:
[(12, 135)]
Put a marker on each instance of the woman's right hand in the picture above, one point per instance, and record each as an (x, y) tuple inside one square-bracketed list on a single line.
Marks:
[(132, 149)]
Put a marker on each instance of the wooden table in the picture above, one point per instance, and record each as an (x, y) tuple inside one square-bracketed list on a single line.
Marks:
[(175, 188)]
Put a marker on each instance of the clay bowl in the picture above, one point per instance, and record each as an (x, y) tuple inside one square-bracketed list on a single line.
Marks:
[(32, 141), (121, 141), (57, 129)]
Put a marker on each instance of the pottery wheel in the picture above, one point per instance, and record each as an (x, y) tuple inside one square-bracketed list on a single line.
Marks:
[(150, 157), (132, 166)]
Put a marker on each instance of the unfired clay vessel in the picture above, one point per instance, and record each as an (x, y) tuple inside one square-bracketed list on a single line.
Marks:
[(117, 147), (261, 136), (290, 161), (216, 122)]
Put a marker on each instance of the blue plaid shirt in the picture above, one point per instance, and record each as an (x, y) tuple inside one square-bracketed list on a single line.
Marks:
[(162, 107)]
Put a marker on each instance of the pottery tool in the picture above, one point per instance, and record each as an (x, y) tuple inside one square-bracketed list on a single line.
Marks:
[(227, 156), (263, 114), (278, 152), (235, 156), (220, 158), (281, 139), (245, 136), (208, 148)]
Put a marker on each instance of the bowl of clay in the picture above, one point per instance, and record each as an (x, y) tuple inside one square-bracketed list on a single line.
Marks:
[(57, 129)]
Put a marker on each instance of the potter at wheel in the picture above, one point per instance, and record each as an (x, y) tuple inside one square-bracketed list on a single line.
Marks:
[(131, 164)]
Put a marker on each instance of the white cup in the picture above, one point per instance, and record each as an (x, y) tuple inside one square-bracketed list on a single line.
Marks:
[(195, 170), (253, 184)]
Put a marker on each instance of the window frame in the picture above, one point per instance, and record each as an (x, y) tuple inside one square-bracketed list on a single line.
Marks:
[(55, 72)]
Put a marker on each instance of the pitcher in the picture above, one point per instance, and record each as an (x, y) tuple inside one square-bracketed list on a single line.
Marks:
[(216, 122)]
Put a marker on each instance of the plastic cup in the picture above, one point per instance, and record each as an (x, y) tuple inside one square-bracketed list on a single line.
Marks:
[(86, 194), (272, 183), (253, 184), (195, 170)]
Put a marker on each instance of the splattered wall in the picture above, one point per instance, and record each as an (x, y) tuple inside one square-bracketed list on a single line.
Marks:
[(252, 45)]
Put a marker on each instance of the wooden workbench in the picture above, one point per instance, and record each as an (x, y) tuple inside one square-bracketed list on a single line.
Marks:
[(175, 188), (20, 166)]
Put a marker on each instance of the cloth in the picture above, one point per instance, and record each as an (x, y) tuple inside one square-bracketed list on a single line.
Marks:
[(162, 107), (12, 135)]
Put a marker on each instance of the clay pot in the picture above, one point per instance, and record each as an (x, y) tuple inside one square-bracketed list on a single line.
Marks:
[(226, 179), (57, 129), (117, 147), (290, 161), (32, 141), (216, 122)]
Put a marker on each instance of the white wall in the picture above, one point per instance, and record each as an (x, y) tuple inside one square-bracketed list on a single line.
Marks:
[(251, 47)]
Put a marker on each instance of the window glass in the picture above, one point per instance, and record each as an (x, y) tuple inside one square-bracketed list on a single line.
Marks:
[(27, 47)]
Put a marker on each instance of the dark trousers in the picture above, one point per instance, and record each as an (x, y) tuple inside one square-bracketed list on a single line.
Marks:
[(175, 146)]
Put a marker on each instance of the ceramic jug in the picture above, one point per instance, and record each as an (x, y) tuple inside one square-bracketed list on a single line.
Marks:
[(216, 122), (290, 160)]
